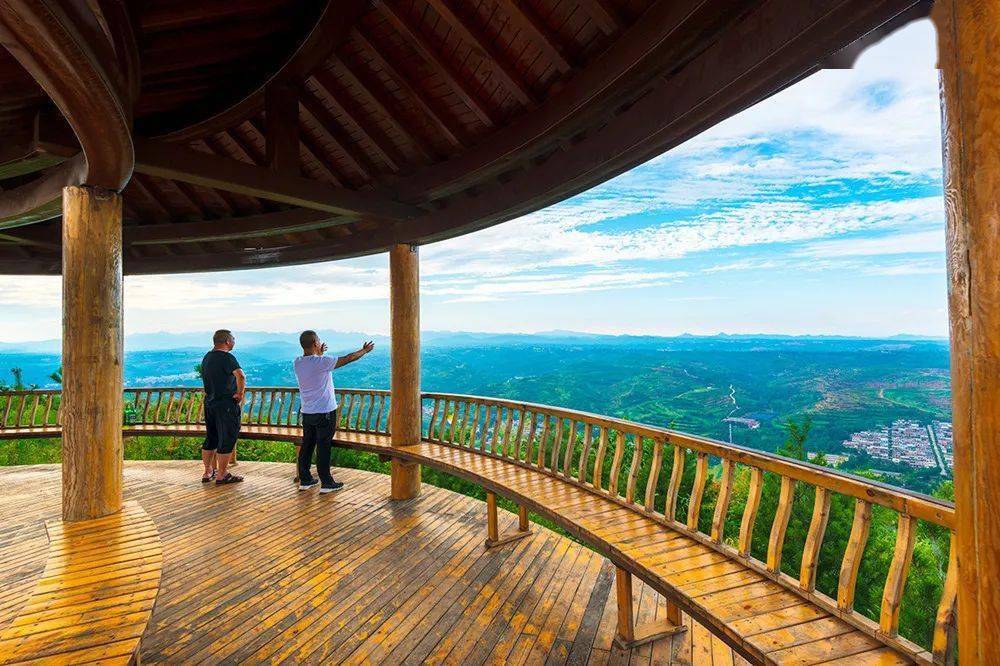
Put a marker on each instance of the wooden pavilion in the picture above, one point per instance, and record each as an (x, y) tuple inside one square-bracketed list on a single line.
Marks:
[(168, 136)]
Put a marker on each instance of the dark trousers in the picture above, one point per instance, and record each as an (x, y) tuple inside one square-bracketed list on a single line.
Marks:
[(317, 435), (222, 426)]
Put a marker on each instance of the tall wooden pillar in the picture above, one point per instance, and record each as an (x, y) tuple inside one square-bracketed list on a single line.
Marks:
[(92, 353), (405, 413), (968, 38)]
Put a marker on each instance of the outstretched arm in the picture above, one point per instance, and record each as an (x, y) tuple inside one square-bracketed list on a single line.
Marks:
[(354, 356)]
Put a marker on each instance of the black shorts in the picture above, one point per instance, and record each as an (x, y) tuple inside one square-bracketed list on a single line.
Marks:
[(222, 426)]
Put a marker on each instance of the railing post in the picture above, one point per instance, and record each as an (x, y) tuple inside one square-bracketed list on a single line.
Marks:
[(404, 408), (969, 60), (92, 353)]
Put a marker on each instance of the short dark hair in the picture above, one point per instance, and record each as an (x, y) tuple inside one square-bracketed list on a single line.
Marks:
[(307, 339), (222, 336)]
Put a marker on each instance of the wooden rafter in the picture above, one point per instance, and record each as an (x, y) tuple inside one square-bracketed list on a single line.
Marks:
[(335, 176), (342, 141), (160, 212), (524, 16), (166, 160), (382, 144), (605, 16), (241, 204), (252, 152), (441, 65), (483, 46), (193, 199), (322, 160), (415, 93)]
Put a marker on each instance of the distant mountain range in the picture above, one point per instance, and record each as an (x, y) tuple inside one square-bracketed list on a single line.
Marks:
[(346, 339)]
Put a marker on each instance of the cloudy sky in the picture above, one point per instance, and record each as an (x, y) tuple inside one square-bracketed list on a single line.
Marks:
[(817, 211)]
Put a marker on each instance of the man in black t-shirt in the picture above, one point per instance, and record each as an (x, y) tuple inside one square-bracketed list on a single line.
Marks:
[(225, 385)]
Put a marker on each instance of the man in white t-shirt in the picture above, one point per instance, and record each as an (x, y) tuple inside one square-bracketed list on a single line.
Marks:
[(314, 372)]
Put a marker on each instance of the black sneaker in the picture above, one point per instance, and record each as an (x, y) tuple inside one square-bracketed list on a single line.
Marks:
[(336, 485), (308, 485)]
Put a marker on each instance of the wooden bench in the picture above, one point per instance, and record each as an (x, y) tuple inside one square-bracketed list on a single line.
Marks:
[(582, 472), (96, 595)]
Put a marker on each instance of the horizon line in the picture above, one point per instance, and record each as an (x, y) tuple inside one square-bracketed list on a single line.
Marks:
[(546, 333)]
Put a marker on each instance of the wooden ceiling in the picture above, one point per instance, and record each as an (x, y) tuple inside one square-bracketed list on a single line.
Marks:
[(269, 132)]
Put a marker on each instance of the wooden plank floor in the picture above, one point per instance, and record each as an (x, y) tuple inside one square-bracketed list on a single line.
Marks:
[(259, 573)]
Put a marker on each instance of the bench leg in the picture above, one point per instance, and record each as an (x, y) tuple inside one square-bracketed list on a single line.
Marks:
[(631, 635), (493, 536)]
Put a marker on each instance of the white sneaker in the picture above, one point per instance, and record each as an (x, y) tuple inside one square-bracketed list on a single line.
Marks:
[(307, 486)]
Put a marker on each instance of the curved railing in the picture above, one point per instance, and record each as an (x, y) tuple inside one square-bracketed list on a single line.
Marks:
[(708, 490), (650, 470)]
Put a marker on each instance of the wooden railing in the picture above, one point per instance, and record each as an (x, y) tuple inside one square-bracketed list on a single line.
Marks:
[(29, 409), (664, 474), (661, 473), (361, 410)]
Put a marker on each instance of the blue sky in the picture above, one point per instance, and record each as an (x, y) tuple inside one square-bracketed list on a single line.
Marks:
[(817, 211)]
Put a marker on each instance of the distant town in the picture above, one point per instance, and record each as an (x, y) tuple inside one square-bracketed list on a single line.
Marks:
[(910, 443)]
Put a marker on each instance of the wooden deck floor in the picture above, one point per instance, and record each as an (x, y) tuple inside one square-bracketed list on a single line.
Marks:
[(259, 573)]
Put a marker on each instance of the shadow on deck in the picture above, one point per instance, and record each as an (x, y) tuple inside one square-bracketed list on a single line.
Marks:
[(261, 573)]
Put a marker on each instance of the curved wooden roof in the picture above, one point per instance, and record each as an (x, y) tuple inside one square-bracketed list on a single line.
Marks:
[(269, 132)]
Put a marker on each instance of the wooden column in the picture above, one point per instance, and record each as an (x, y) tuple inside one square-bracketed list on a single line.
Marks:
[(968, 39), (92, 353), (404, 413)]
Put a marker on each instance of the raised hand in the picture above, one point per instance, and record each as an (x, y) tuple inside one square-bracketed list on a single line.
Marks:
[(322, 349), (368, 346)]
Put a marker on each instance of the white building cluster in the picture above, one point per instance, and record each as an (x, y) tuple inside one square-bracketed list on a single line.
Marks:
[(907, 442)]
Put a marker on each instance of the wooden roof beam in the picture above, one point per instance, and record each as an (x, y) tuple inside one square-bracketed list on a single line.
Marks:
[(333, 133), (483, 47), (321, 158), (160, 212), (194, 201), (437, 62), (382, 144), (308, 142), (167, 160), (235, 228), (245, 203), (246, 146), (439, 120), (281, 121), (605, 17), (525, 18)]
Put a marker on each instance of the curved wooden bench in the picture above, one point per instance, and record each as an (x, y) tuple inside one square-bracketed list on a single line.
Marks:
[(96, 595), (758, 618)]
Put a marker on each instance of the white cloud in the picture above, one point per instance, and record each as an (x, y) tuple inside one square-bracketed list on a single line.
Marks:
[(917, 242)]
